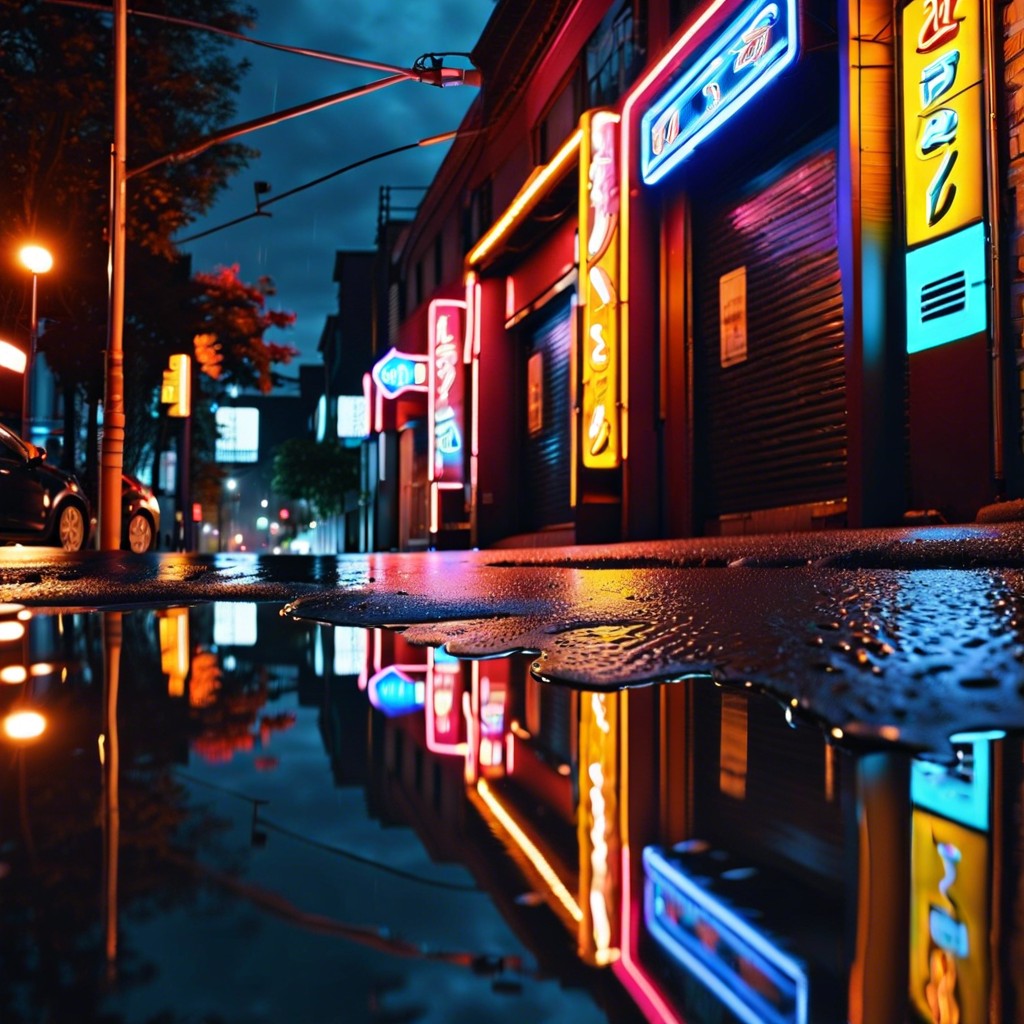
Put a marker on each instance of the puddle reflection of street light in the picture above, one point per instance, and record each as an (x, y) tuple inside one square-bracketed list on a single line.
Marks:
[(39, 261)]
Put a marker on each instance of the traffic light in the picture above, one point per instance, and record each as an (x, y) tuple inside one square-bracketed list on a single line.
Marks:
[(208, 354), (176, 389)]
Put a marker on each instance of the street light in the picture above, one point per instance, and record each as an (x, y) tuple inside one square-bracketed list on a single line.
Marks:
[(428, 70), (39, 261)]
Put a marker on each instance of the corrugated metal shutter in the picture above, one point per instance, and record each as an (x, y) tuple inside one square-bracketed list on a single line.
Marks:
[(771, 430), (547, 452), (781, 811)]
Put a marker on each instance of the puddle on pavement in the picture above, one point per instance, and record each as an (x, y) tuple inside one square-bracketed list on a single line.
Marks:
[(233, 816)]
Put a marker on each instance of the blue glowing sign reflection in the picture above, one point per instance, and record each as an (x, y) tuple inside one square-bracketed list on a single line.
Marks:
[(742, 60)]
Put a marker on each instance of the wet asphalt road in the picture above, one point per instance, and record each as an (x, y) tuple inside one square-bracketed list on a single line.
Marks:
[(907, 635)]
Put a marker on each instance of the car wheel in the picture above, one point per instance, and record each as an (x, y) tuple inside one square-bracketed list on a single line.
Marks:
[(71, 531), (140, 533)]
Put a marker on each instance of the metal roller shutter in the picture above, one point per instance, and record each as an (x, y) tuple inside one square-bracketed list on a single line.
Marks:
[(547, 451), (771, 430)]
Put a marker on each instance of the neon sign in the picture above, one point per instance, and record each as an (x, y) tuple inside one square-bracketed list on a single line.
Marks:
[(394, 693), (398, 372), (747, 972), (447, 387), (943, 172), (599, 219), (757, 45)]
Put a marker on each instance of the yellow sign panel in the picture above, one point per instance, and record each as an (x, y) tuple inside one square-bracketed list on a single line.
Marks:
[(949, 921), (599, 289), (942, 117)]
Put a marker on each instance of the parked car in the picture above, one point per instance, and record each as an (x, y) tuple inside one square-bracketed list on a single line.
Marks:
[(39, 503), (140, 515)]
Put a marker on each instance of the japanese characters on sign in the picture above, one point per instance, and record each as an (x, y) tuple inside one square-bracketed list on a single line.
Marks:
[(447, 390), (599, 276), (942, 105), (944, 172), (756, 46)]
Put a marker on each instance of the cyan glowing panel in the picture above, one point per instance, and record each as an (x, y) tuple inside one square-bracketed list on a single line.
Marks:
[(755, 47), (947, 289)]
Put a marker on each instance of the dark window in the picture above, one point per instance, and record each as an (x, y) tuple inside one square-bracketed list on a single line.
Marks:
[(615, 53), (477, 216), (419, 282), (438, 261)]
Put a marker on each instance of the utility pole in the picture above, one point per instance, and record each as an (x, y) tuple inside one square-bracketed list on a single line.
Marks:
[(112, 445)]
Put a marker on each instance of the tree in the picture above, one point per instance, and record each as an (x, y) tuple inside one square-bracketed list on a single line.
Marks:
[(317, 472), (55, 130), (235, 315)]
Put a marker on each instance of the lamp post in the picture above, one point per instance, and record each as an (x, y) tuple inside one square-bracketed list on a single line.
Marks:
[(39, 261), (428, 70)]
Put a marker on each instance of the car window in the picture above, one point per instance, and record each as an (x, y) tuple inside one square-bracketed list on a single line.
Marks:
[(10, 447)]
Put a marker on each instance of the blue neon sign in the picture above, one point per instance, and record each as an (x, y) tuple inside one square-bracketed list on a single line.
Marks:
[(398, 372), (757, 45)]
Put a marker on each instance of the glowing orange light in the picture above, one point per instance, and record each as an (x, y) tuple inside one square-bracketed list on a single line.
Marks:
[(13, 674), (12, 357), (36, 258), (24, 725)]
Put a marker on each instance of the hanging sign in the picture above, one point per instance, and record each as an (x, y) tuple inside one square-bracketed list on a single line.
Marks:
[(398, 372), (756, 46)]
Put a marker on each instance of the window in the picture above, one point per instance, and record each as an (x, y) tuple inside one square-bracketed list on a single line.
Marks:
[(615, 53), (438, 261), (477, 215)]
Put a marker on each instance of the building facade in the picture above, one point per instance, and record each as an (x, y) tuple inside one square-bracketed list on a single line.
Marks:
[(714, 268)]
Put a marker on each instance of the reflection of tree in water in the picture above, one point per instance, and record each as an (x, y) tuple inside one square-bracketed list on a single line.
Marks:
[(52, 963), (227, 706)]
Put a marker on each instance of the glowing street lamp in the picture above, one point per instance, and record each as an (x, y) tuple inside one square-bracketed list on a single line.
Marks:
[(39, 261)]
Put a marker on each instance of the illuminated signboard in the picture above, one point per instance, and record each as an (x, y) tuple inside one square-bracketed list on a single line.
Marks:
[(600, 846), (398, 372), (599, 258), (747, 972), (943, 160), (447, 390), (352, 416), (238, 434), (756, 46), (445, 723), (394, 693), (949, 920)]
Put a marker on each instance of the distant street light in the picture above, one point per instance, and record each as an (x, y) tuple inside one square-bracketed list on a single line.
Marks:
[(39, 261)]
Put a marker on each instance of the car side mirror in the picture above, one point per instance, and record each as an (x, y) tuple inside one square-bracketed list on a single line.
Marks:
[(36, 455)]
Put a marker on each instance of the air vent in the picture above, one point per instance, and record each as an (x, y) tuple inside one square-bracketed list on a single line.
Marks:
[(944, 297)]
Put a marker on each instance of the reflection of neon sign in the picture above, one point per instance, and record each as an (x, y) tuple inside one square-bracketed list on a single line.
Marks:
[(758, 982), (599, 218), (393, 693), (492, 722), (444, 718), (398, 372), (730, 71)]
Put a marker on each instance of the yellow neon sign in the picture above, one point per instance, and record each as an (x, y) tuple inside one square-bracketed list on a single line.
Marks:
[(942, 117), (598, 287)]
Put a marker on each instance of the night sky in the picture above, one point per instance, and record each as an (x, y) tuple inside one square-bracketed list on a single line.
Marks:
[(296, 245)]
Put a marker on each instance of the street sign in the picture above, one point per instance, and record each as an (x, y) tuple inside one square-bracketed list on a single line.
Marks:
[(176, 387), (398, 372)]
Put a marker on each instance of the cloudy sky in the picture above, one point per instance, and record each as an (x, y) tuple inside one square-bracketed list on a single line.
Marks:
[(296, 245)]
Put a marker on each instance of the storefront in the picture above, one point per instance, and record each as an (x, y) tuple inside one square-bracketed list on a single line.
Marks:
[(543, 313), (743, 261)]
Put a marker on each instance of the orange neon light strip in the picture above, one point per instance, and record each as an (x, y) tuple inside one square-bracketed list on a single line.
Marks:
[(535, 857), (530, 194)]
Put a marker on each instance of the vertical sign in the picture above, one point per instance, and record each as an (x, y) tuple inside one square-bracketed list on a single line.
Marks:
[(446, 414), (599, 281), (598, 827), (944, 171)]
